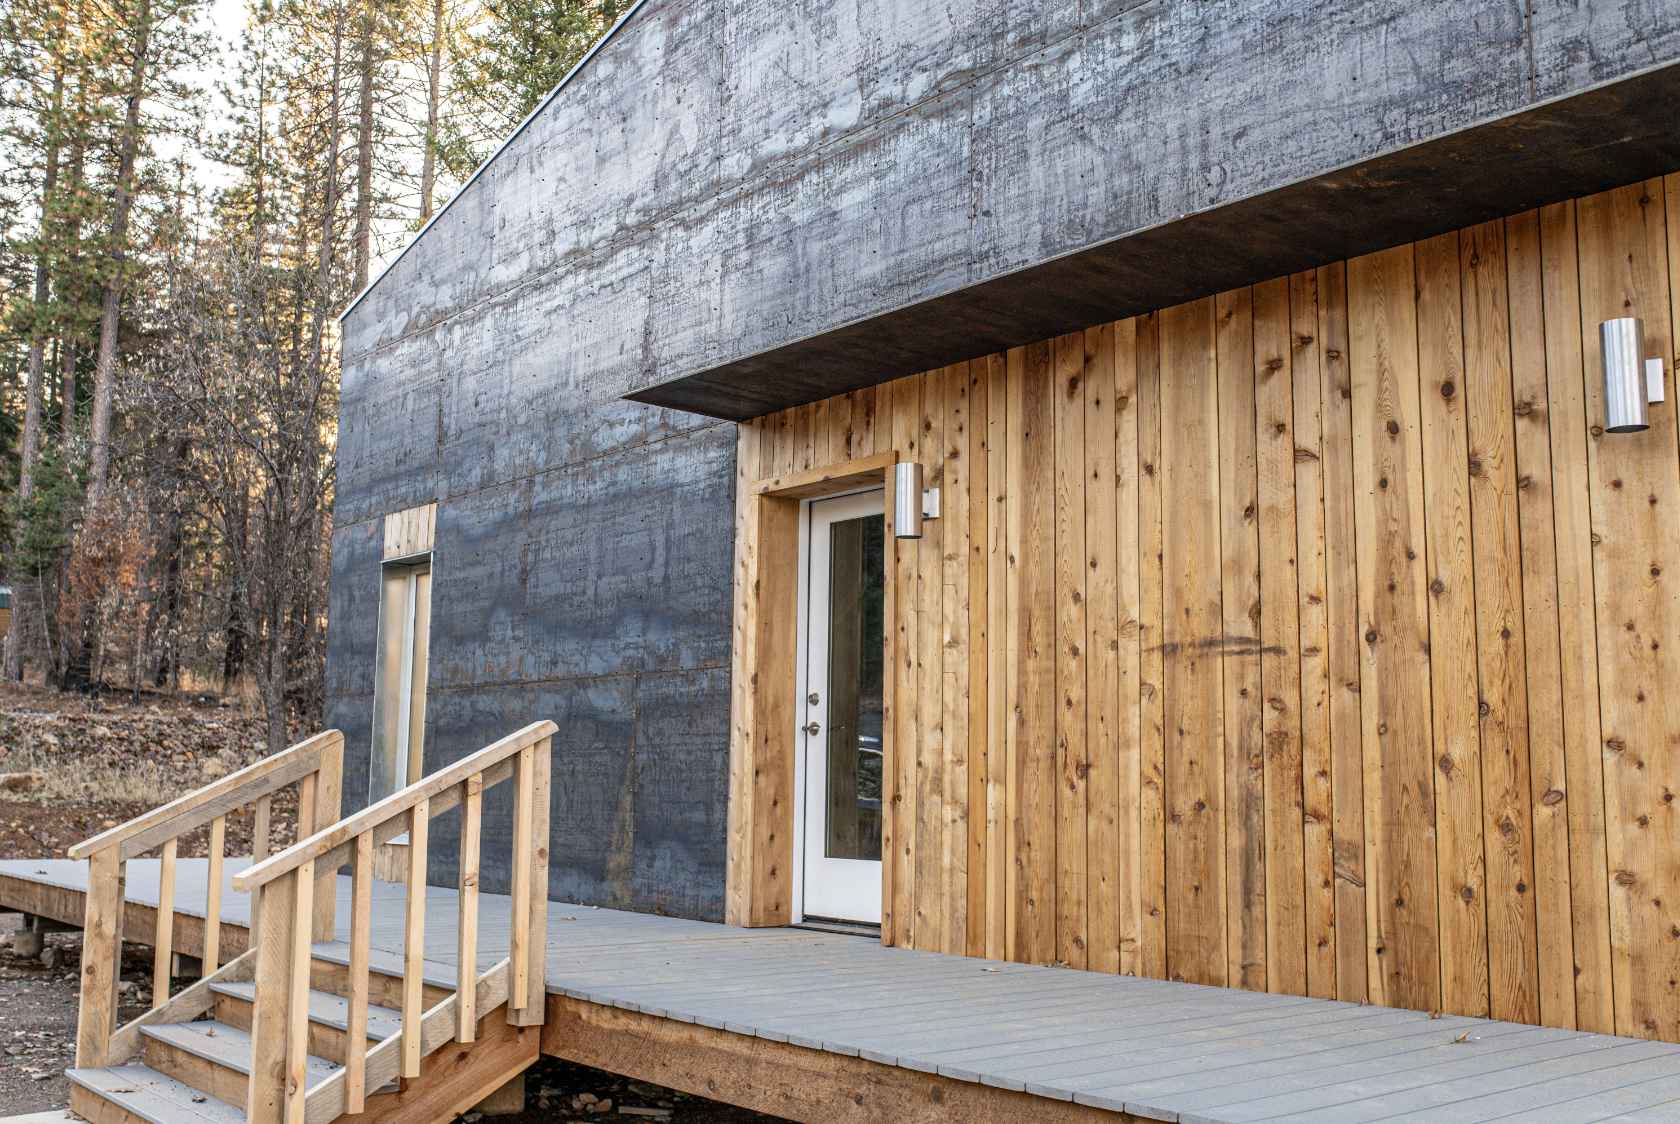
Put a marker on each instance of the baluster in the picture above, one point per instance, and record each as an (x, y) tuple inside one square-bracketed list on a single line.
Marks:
[(297, 1027), (164, 944), (306, 808), (101, 955), (414, 939), (213, 898), (260, 828), (466, 949), (361, 939), (328, 793), (519, 942)]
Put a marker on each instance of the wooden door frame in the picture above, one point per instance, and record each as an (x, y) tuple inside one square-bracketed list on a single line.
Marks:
[(759, 863), (813, 757)]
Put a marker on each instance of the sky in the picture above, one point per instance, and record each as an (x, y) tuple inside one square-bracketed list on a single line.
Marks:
[(226, 22), (224, 19)]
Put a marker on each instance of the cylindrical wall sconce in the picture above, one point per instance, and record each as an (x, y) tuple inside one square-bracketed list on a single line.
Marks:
[(907, 500), (1626, 391)]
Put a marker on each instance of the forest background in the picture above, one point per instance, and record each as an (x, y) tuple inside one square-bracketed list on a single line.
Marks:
[(190, 193)]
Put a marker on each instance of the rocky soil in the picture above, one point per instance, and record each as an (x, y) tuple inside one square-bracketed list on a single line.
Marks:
[(38, 1014), (556, 1090), (71, 765)]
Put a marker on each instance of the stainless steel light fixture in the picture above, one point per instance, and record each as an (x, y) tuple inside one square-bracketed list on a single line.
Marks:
[(911, 502), (1631, 381), (907, 500)]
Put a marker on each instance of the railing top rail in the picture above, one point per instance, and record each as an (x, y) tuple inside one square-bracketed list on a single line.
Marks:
[(219, 796), (336, 836)]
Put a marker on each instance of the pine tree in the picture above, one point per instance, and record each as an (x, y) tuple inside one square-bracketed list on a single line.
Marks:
[(520, 51), (169, 362), (38, 62), (438, 41)]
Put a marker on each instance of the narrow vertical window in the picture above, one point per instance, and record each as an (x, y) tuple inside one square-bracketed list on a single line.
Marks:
[(399, 705)]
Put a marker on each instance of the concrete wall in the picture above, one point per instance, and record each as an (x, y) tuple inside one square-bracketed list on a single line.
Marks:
[(581, 573), (727, 176)]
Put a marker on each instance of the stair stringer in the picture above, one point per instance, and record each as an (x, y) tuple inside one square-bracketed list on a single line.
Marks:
[(458, 1077), (184, 1007), (454, 1076)]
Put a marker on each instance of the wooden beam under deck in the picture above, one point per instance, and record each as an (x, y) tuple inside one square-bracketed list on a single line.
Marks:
[(792, 1082), (66, 905)]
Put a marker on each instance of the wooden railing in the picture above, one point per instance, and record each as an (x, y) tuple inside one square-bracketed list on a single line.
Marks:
[(286, 888), (315, 765)]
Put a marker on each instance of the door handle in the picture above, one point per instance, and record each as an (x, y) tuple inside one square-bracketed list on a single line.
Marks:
[(811, 729)]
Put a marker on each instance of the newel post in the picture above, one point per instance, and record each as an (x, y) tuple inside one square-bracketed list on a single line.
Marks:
[(272, 916), (329, 789), (101, 956), (535, 922)]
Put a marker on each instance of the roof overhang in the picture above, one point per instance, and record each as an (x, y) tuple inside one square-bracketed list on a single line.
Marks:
[(1615, 134)]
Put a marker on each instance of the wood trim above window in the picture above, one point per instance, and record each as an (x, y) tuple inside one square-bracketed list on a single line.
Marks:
[(410, 532)]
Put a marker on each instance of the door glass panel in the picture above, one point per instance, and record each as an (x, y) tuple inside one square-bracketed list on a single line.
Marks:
[(857, 547), (399, 699)]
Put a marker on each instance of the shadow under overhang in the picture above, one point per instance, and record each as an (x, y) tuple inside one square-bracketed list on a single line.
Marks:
[(1606, 137)]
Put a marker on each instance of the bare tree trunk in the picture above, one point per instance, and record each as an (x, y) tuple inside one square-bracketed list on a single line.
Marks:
[(274, 677), (164, 621), (329, 200), (233, 651), (364, 144), (259, 211), (142, 639), (434, 93), (104, 371), (43, 292), (73, 242), (49, 381), (67, 393), (12, 657)]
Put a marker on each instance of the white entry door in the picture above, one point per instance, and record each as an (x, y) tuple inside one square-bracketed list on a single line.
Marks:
[(840, 736)]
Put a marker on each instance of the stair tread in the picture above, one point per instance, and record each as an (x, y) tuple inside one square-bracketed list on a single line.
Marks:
[(433, 973), (327, 1009), (155, 1097), (225, 1045)]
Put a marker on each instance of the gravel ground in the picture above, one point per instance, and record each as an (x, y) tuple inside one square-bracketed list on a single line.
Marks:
[(557, 1090), (38, 1042), (37, 1023), (85, 760)]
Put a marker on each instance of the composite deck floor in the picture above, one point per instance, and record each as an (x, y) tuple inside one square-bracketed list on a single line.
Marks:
[(1158, 1049)]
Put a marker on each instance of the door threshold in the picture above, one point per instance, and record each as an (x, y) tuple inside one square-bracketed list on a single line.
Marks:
[(844, 928)]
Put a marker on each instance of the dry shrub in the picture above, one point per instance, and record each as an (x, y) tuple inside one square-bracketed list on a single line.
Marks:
[(103, 580)]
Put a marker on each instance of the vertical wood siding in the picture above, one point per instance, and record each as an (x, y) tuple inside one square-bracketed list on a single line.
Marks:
[(1310, 637)]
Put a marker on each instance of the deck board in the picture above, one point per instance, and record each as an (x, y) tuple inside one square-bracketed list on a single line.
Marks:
[(1154, 1048)]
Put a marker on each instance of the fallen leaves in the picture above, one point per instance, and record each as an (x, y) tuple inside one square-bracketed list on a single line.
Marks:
[(97, 762)]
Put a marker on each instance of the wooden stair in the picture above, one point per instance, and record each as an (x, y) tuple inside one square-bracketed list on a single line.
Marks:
[(303, 1029), (194, 1065)]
